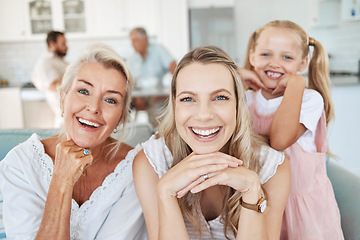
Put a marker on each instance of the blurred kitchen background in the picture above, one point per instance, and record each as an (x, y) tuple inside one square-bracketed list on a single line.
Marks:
[(179, 25)]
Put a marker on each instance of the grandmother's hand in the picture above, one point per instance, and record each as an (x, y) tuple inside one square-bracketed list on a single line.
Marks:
[(192, 170), (70, 161)]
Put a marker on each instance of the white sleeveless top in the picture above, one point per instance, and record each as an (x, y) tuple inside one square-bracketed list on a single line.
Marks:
[(160, 158)]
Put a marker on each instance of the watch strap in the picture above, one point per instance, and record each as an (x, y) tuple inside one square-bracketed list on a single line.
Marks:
[(256, 207)]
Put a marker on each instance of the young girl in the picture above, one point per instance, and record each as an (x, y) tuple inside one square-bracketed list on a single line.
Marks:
[(295, 118), (206, 174)]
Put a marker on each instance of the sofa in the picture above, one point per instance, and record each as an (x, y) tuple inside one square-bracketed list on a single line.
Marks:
[(9, 138), (346, 185)]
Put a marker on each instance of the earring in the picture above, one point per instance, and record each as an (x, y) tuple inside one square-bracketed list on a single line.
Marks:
[(115, 130), (62, 114)]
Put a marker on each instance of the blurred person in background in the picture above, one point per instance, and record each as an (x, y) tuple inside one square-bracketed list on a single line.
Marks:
[(149, 64), (49, 70)]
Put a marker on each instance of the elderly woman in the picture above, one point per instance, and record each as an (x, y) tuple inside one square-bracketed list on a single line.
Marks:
[(78, 184)]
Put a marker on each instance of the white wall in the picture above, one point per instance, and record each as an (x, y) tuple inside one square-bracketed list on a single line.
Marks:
[(342, 42), (344, 132)]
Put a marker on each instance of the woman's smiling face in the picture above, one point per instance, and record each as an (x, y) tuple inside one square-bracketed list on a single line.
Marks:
[(205, 107), (93, 104)]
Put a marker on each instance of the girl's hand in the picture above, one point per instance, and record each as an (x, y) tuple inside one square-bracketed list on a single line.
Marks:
[(283, 83), (70, 161), (251, 79), (191, 170)]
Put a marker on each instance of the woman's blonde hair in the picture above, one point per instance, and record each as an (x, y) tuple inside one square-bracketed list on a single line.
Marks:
[(244, 143), (318, 74), (105, 55)]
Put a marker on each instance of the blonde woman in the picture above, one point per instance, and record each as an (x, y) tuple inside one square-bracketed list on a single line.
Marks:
[(205, 174)]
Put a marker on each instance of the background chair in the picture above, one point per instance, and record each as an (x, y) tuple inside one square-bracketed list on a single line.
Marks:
[(347, 193)]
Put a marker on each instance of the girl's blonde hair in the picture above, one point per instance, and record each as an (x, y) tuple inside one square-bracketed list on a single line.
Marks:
[(244, 143), (105, 55), (318, 74)]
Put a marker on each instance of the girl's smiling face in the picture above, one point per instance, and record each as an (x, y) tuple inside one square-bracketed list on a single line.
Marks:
[(93, 104), (205, 107), (277, 54)]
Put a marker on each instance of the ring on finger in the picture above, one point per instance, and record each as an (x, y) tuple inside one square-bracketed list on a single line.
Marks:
[(86, 152), (205, 176)]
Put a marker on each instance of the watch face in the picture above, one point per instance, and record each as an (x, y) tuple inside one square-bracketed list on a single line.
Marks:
[(263, 206)]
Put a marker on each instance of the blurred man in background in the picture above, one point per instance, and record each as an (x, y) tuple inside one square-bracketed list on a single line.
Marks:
[(49, 70), (149, 64)]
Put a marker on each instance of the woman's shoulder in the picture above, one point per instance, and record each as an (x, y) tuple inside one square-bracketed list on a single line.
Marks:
[(158, 154), (270, 159)]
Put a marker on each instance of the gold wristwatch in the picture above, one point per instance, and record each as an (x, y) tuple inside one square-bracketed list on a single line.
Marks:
[(260, 206)]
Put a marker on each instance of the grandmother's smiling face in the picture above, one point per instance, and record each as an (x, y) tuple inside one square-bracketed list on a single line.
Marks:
[(93, 105)]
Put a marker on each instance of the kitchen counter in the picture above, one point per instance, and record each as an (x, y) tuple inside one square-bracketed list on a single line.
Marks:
[(341, 80), (32, 94)]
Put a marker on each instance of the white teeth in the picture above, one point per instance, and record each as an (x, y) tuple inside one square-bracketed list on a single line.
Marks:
[(205, 132), (88, 123), (272, 74)]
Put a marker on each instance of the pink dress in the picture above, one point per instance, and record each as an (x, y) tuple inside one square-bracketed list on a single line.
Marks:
[(311, 212)]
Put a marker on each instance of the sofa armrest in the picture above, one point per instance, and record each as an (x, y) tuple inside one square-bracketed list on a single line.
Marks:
[(346, 187)]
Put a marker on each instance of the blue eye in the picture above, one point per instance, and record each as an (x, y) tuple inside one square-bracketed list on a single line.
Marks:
[(221, 97), (265, 54), (287, 57), (111, 101), (83, 91), (186, 99)]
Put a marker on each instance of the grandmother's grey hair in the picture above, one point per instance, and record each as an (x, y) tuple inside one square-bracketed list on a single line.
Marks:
[(105, 55)]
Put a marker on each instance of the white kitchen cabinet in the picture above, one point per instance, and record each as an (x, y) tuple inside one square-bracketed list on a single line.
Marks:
[(105, 17), (22, 20), (118, 17), (329, 13), (12, 20), (350, 10), (145, 13), (63, 15)]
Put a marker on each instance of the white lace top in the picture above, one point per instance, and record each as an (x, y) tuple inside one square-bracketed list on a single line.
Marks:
[(160, 159), (112, 211)]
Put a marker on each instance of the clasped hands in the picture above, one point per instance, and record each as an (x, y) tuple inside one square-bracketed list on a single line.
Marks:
[(220, 169)]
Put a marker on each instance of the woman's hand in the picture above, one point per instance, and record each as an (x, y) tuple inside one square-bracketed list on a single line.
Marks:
[(251, 79), (190, 171), (239, 178), (70, 161)]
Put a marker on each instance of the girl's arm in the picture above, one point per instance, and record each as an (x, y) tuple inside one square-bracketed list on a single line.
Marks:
[(286, 128)]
